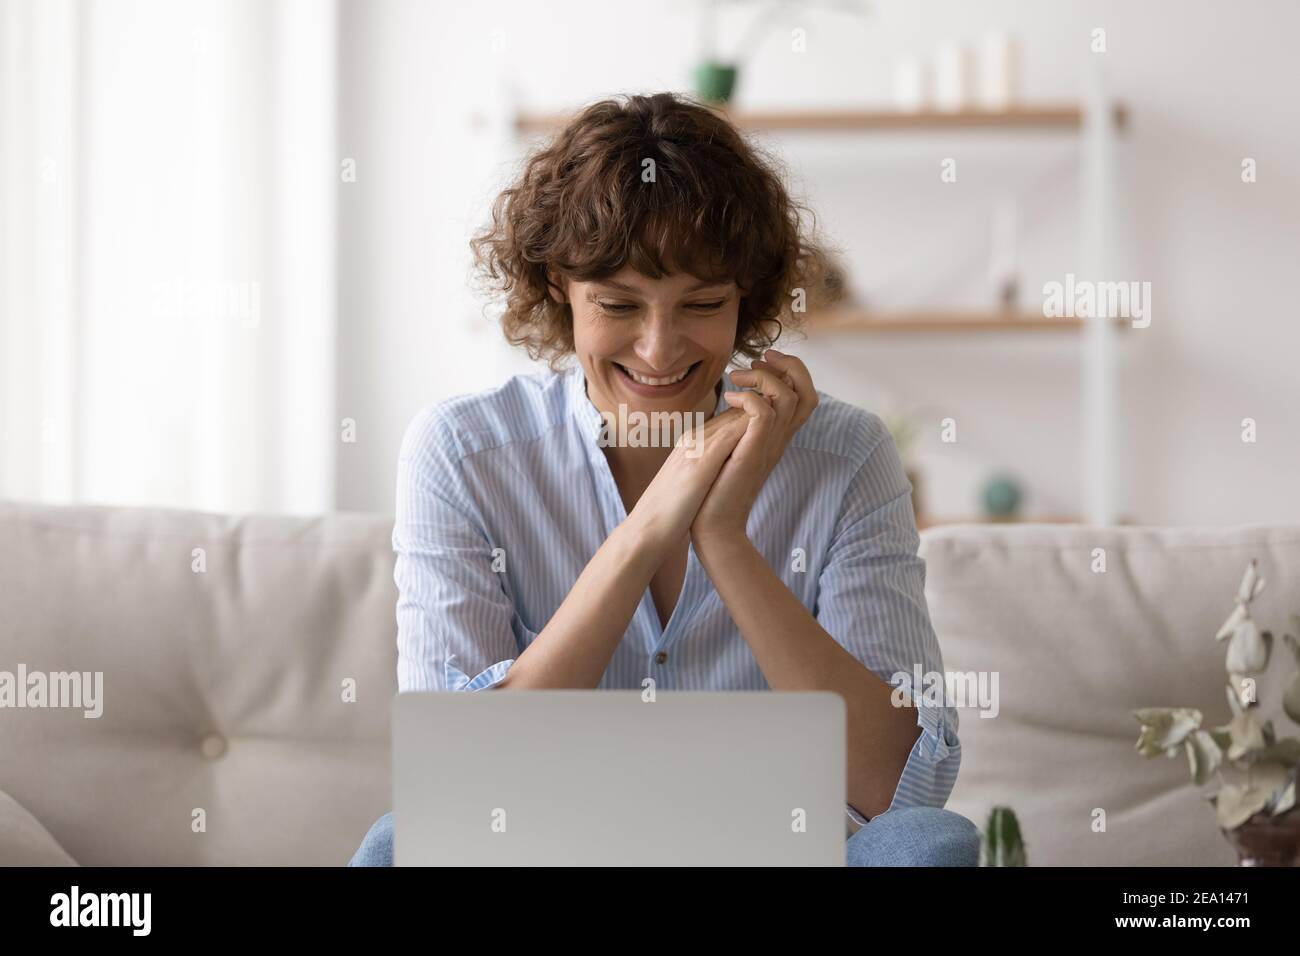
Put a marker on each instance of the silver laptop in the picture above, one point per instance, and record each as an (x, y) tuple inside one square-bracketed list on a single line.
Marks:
[(605, 778)]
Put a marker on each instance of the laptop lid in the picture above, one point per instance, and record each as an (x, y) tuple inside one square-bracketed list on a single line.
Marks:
[(608, 778)]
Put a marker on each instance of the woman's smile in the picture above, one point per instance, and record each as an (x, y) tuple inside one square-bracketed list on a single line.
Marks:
[(645, 384)]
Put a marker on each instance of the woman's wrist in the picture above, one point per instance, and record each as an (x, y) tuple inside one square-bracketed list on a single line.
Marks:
[(720, 542), (649, 534)]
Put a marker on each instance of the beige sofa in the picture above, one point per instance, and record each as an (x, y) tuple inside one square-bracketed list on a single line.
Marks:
[(248, 667)]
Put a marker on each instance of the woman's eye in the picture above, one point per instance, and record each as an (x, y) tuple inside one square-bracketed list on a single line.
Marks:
[(621, 308)]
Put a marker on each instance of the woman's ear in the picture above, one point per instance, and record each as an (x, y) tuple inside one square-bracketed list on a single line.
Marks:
[(555, 287)]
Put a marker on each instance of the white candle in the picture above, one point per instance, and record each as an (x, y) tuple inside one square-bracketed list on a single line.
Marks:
[(952, 77), (910, 87), (998, 67)]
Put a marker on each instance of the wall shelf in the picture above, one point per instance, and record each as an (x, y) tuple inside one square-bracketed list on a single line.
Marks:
[(931, 322), (1023, 117)]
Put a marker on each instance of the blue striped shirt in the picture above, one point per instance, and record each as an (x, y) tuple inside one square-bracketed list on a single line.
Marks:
[(504, 496)]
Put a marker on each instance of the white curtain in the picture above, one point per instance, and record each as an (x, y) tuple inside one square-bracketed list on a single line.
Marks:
[(168, 187)]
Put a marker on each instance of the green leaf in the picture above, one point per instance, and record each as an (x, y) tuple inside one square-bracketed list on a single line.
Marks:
[(1248, 649), (1239, 614), (1283, 798), (1234, 700), (1251, 583), (1235, 805), (1246, 735), (1204, 756), (1003, 845), (1164, 728)]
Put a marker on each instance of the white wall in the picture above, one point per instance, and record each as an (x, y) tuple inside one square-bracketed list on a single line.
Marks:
[(1206, 84)]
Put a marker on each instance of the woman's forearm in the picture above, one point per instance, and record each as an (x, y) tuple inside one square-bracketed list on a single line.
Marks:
[(796, 653), (576, 645)]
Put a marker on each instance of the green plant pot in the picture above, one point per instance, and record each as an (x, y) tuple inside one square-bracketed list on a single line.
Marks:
[(715, 82)]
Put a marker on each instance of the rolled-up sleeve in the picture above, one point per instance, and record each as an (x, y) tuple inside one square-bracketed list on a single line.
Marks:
[(454, 616), (871, 599)]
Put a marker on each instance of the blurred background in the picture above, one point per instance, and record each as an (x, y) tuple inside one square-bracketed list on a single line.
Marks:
[(234, 261)]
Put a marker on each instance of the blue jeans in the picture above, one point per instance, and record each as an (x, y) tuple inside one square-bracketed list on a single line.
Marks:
[(908, 836)]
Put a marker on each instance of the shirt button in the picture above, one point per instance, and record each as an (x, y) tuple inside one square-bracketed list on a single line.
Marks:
[(213, 746), (661, 657)]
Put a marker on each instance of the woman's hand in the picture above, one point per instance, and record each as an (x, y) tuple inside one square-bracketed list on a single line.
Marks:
[(782, 400), (664, 512), (575, 647)]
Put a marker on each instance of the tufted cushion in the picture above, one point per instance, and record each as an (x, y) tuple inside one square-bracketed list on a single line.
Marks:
[(1076, 652), (222, 688)]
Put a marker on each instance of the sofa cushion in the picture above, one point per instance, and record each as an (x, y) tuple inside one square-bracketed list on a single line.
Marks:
[(248, 669), (1076, 650), (23, 841)]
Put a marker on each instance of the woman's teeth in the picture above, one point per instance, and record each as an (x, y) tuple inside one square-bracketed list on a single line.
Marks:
[(647, 380)]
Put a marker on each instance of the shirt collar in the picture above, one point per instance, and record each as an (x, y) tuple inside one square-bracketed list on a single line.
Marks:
[(588, 416)]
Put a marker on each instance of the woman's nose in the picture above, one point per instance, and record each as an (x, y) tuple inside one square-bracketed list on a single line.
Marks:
[(660, 345)]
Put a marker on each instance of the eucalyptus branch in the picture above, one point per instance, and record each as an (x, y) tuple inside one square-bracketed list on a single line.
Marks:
[(1268, 762)]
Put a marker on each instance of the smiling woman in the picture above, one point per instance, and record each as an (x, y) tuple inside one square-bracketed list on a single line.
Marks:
[(657, 186), (648, 246)]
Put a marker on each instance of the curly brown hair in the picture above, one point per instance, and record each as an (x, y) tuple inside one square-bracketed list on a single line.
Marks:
[(714, 206)]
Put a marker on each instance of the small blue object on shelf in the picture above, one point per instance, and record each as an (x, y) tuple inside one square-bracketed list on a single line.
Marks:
[(1001, 497)]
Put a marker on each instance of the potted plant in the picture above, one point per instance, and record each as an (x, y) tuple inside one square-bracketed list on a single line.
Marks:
[(715, 74), (1255, 769), (1002, 844)]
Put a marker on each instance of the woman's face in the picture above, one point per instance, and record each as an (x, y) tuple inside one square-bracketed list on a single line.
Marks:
[(653, 344)]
